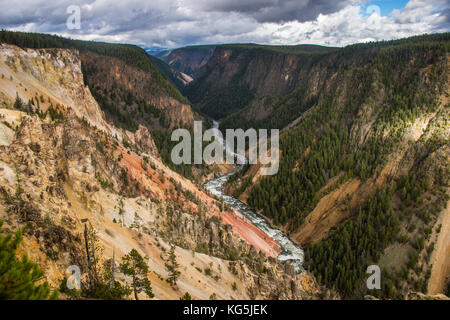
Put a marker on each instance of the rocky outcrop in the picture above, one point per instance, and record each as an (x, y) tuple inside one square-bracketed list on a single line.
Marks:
[(145, 142), (421, 296), (58, 174), (53, 73), (263, 278)]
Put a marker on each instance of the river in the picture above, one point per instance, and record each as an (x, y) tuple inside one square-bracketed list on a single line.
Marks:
[(290, 251)]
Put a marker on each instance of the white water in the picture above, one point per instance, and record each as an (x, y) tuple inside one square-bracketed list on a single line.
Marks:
[(290, 251)]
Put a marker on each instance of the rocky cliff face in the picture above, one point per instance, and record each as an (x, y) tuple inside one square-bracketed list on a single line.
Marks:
[(362, 126), (255, 71), (63, 169), (179, 78), (266, 72), (123, 89), (57, 73), (187, 60)]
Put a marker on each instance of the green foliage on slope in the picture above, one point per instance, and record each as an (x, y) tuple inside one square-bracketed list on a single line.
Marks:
[(224, 101), (319, 147), (399, 85), (19, 278), (134, 266), (130, 54), (303, 49)]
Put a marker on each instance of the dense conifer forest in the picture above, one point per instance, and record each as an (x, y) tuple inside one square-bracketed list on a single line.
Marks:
[(321, 148)]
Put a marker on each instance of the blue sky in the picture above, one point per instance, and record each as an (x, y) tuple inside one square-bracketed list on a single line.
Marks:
[(386, 6), (175, 23)]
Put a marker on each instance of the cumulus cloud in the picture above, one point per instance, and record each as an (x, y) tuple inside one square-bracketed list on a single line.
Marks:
[(349, 26), (174, 23)]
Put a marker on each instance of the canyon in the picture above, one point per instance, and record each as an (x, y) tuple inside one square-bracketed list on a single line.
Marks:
[(355, 121), (59, 174), (85, 141)]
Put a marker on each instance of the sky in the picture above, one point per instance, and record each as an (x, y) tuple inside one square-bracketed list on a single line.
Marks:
[(175, 23)]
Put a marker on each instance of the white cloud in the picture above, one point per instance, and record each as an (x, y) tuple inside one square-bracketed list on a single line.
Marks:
[(350, 25), (172, 23)]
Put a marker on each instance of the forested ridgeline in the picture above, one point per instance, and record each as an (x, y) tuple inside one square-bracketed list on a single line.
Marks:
[(288, 83), (351, 132), (126, 84), (130, 54), (237, 74)]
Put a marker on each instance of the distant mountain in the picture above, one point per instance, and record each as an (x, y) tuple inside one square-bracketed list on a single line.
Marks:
[(187, 60), (155, 51)]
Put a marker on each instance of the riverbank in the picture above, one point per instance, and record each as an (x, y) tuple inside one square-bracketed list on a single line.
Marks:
[(289, 250)]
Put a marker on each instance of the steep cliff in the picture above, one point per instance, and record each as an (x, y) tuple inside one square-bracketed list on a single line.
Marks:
[(131, 91), (179, 78), (131, 96), (187, 60), (237, 74), (63, 166), (363, 173)]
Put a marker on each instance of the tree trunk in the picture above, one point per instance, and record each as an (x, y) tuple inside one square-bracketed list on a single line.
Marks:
[(111, 285), (134, 288), (91, 279)]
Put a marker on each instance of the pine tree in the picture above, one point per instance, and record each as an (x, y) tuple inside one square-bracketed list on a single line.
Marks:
[(18, 103), (134, 266), (172, 266), (93, 251), (113, 289), (18, 277), (186, 296)]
